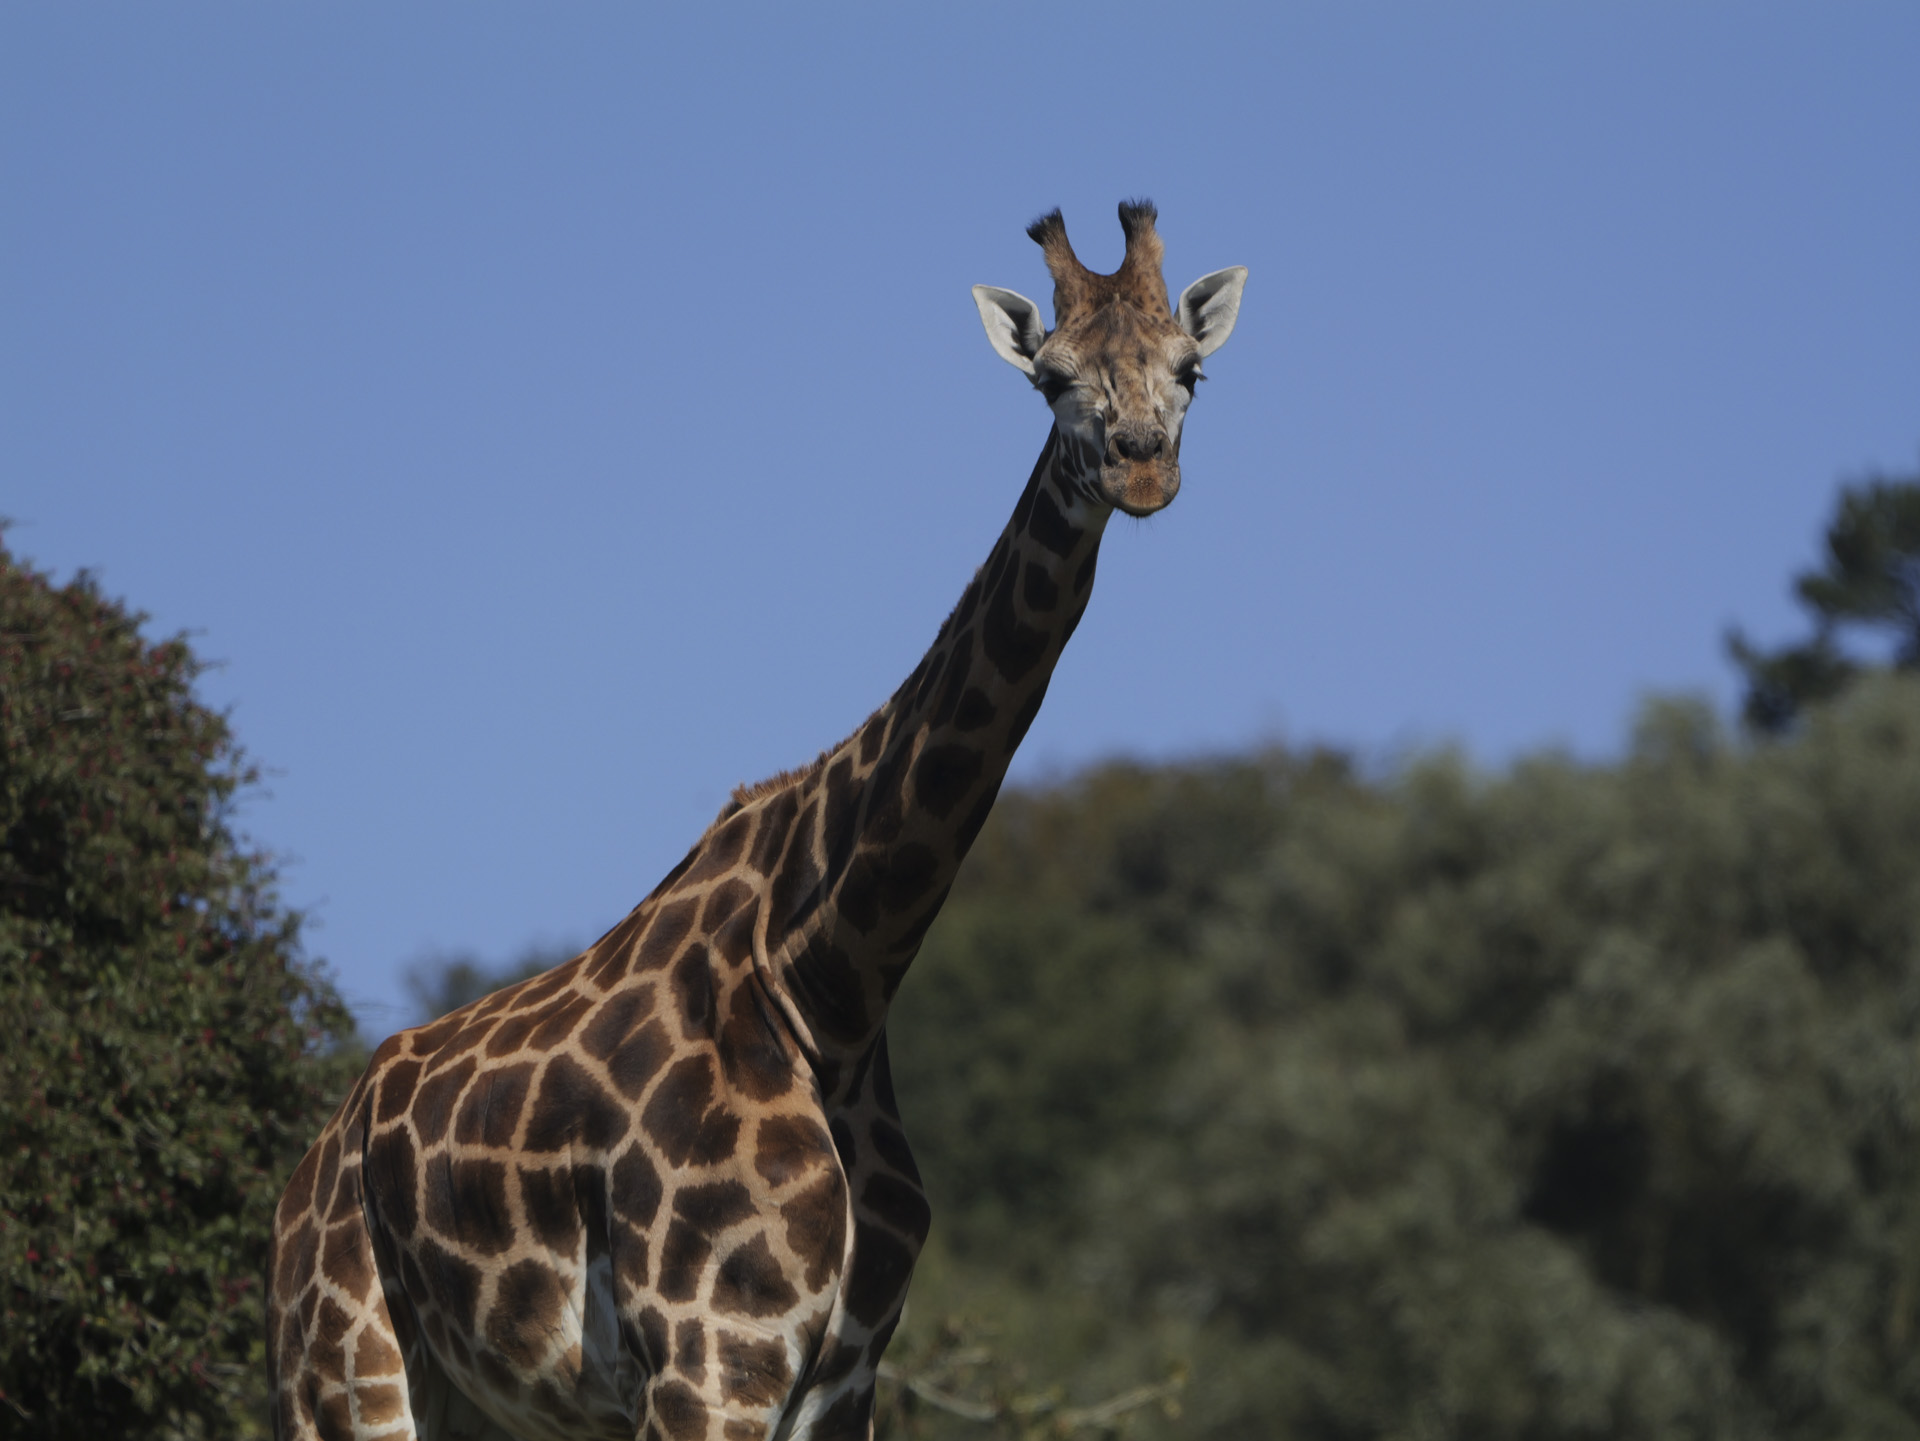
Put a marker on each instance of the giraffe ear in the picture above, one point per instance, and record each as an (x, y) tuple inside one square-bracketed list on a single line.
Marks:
[(1013, 325), (1210, 305)]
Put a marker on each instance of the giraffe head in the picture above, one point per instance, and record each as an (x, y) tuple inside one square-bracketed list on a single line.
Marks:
[(1120, 365)]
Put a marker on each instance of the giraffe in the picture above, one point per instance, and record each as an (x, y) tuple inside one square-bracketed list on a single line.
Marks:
[(662, 1191)]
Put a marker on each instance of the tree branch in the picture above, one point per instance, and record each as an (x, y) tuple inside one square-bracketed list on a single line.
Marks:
[(1065, 1421)]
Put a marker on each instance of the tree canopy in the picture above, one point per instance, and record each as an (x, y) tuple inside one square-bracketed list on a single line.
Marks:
[(1579, 1101), (169, 1057)]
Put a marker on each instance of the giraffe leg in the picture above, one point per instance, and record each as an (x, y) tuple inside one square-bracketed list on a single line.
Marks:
[(335, 1359), (844, 1413), (442, 1410), (739, 1398), (713, 1377)]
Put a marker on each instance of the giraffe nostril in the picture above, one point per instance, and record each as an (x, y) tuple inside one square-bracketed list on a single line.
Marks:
[(1137, 444)]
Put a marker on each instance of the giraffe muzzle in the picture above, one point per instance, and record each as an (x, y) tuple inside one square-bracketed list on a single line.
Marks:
[(1141, 487), (1140, 472)]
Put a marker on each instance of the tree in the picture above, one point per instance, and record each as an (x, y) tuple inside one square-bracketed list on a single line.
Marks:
[(1575, 1101), (169, 1051), (1870, 581)]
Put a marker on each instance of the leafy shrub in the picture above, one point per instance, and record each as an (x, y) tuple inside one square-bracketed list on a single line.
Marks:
[(167, 1056)]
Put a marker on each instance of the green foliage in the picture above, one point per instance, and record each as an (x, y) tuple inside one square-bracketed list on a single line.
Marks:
[(1871, 581), (1576, 1102), (168, 1054), (1067, 909)]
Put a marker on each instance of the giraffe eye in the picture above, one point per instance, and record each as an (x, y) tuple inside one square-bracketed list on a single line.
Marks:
[(1189, 377), (1051, 383)]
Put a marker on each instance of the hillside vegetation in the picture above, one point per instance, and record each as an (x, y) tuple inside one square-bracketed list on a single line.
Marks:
[(1573, 1102)]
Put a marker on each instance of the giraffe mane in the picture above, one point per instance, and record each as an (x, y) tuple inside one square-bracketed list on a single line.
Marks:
[(747, 792)]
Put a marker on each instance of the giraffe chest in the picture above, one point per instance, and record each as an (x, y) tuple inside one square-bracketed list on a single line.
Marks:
[(564, 1291), (646, 1207)]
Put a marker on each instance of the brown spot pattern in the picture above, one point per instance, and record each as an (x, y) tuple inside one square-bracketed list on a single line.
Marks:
[(753, 1283), (525, 1312)]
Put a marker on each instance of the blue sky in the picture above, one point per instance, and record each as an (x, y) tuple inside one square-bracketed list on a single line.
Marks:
[(551, 416)]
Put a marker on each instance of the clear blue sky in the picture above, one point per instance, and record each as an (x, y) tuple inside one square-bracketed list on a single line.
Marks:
[(550, 416)]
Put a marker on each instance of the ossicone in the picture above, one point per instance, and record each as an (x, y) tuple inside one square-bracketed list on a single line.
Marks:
[(1071, 280), (1139, 273), (1138, 279)]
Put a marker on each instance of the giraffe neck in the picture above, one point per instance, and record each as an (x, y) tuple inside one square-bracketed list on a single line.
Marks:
[(858, 850)]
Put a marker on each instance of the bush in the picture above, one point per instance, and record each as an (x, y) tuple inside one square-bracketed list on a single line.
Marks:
[(168, 1054)]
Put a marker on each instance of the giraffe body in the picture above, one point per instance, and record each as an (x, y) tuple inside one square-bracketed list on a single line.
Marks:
[(663, 1190)]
